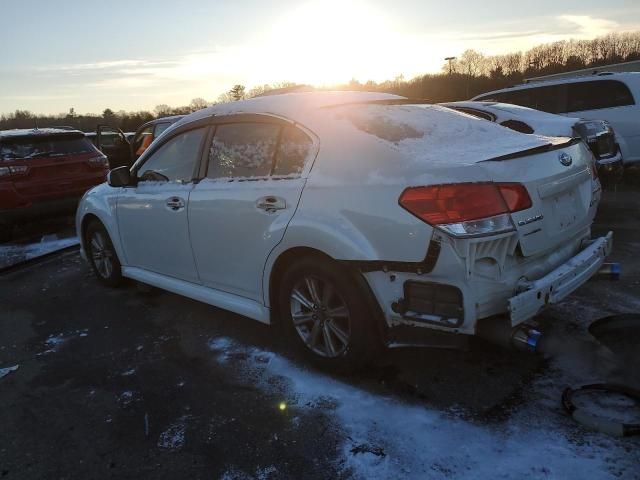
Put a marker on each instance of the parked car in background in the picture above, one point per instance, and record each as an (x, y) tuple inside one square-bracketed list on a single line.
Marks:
[(125, 148), (348, 217), (43, 172), (597, 134), (605, 96)]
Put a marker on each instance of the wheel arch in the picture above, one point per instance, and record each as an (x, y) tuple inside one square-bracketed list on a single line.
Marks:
[(90, 217), (286, 257)]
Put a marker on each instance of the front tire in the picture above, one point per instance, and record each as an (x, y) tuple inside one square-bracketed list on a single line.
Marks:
[(327, 315), (102, 256)]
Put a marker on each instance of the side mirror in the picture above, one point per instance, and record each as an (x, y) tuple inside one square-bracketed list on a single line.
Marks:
[(119, 177)]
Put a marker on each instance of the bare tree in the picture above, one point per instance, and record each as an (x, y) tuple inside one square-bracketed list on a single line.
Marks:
[(471, 63), (198, 103), (162, 110)]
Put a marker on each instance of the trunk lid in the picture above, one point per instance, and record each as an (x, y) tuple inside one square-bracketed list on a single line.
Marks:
[(564, 194)]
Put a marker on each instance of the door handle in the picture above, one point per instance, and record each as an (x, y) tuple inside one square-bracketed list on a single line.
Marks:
[(175, 204), (271, 204)]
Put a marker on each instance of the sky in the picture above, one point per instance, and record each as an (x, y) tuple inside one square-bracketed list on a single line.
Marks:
[(125, 55)]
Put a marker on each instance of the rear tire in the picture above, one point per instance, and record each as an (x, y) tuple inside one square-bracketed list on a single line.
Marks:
[(102, 256), (326, 315)]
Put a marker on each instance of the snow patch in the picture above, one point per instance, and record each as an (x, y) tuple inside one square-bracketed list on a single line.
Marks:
[(173, 437), (6, 371), (11, 254), (387, 438), (55, 342)]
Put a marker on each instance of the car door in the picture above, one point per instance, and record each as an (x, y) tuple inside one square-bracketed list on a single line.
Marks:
[(256, 170), (114, 144), (152, 216)]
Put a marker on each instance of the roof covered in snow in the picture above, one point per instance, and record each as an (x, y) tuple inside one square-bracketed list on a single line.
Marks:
[(28, 132), (295, 106)]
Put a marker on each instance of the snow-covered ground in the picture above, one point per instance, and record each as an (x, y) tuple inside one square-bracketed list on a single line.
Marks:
[(13, 253), (386, 437)]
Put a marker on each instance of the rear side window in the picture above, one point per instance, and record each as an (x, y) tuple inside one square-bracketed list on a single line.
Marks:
[(475, 113), (243, 150), (175, 160), (51, 146), (597, 94), (160, 127), (518, 126), (293, 150), (547, 99)]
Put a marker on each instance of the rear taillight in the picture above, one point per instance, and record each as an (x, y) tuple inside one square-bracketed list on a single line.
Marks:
[(100, 161), (14, 170), (467, 209)]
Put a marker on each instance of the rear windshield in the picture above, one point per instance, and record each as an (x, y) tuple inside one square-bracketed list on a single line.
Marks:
[(434, 134), (49, 146)]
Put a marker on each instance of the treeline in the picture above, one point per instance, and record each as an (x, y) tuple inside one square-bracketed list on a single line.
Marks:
[(468, 75), (473, 73), (126, 121)]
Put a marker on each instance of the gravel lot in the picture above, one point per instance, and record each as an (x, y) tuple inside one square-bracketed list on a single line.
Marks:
[(130, 383)]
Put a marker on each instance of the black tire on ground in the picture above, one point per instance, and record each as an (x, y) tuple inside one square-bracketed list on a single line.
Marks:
[(326, 314), (102, 256)]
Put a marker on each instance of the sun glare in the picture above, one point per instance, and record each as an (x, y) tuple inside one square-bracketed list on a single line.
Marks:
[(325, 42)]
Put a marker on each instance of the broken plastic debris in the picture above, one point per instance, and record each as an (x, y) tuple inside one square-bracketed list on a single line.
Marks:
[(6, 371)]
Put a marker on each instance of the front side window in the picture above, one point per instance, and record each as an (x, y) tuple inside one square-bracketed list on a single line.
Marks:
[(598, 94), (175, 160), (243, 150), (143, 140)]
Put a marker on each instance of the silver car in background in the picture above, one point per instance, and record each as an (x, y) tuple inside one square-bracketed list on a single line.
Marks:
[(597, 134)]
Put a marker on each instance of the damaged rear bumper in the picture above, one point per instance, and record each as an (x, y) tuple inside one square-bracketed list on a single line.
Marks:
[(553, 287)]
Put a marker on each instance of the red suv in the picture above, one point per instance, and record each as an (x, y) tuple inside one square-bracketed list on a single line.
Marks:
[(45, 171)]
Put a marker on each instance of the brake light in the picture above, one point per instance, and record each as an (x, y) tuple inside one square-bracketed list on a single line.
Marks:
[(100, 161), (466, 209), (515, 195), (13, 170)]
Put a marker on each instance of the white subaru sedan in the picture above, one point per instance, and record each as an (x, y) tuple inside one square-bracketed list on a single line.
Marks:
[(346, 217)]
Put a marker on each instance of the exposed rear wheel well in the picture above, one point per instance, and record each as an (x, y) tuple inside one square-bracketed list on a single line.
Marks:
[(292, 255), (280, 267)]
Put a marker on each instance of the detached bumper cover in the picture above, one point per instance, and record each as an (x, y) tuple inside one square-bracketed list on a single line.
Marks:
[(562, 281)]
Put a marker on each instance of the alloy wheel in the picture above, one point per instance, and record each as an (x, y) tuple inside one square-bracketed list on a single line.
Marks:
[(320, 317), (101, 255)]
